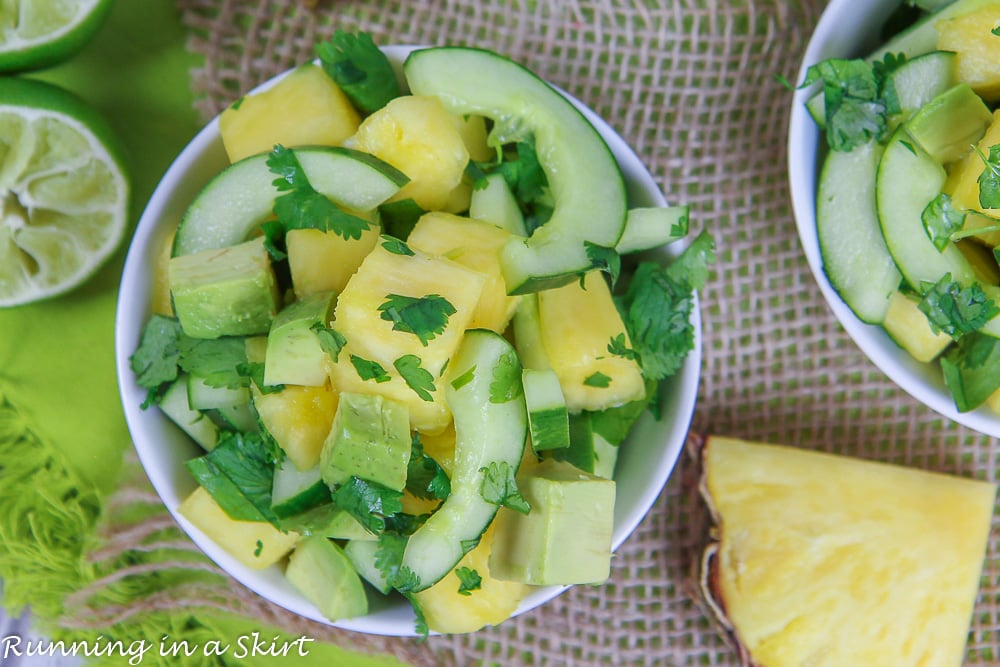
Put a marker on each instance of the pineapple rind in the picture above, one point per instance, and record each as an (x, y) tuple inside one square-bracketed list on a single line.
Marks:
[(830, 561)]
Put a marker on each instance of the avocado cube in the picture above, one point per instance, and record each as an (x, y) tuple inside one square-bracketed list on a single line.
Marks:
[(946, 126), (565, 538), (225, 292), (370, 439), (294, 354), (320, 570)]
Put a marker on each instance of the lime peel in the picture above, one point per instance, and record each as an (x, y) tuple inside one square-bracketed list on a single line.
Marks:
[(40, 33)]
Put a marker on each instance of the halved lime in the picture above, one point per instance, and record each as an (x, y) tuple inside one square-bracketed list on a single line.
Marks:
[(39, 33), (63, 191)]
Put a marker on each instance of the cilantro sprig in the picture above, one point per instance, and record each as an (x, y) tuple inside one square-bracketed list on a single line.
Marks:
[(425, 478), (500, 488), (469, 580), (416, 377), (956, 309), (425, 316), (360, 69)]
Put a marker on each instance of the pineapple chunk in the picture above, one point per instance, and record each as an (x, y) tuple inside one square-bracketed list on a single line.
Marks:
[(305, 108), (476, 138), (963, 183), (373, 336), (160, 301), (474, 244), (418, 136), (448, 611), (977, 49), (299, 419), (577, 325), (828, 560), (908, 326), (256, 544), (323, 261)]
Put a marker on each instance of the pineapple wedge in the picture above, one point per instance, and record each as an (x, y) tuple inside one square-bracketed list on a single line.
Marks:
[(578, 324), (963, 183), (299, 419), (476, 245), (971, 37), (376, 342), (829, 561)]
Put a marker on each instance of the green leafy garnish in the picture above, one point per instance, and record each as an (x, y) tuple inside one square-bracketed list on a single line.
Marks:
[(989, 180), (259, 549), (859, 97), (605, 259), (425, 317), (500, 488), (301, 206), (469, 580), (971, 370), (369, 370), (519, 165), (396, 247), (238, 474), (598, 379), (398, 218), (254, 372), (425, 478), (368, 502), (656, 308), (416, 377), (941, 220), (154, 362), (505, 384), (620, 348), (215, 360), (330, 340), (464, 379), (360, 69), (956, 309)]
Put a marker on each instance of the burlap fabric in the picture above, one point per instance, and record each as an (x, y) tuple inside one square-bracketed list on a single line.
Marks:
[(691, 84)]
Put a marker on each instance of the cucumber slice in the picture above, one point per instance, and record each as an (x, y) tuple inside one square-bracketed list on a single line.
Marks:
[(195, 423), (487, 431), (648, 228), (548, 418), (234, 203), (294, 491), (202, 396), (583, 176), (362, 554), (238, 418), (855, 256), (495, 203)]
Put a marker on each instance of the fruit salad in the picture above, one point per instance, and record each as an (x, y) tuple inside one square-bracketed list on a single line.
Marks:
[(909, 190), (410, 325)]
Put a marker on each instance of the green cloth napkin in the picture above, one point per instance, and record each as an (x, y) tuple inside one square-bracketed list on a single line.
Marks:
[(62, 430)]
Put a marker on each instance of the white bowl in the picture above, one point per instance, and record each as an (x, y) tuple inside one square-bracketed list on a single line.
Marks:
[(644, 465), (849, 28)]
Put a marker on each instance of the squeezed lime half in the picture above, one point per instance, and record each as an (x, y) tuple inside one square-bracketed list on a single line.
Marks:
[(39, 33), (63, 191)]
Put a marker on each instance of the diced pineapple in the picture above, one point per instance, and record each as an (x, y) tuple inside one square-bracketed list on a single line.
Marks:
[(474, 134), (963, 183), (160, 300), (475, 244), (577, 326), (305, 108), (418, 136), (323, 261), (372, 334), (908, 326), (448, 611), (976, 47), (441, 447), (828, 560), (299, 419), (256, 544)]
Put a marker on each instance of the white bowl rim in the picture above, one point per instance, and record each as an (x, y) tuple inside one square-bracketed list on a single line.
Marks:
[(922, 381), (393, 619)]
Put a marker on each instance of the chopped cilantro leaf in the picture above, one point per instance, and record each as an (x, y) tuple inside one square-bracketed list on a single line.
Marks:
[(598, 379), (469, 580), (941, 220), (330, 340), (416, 377), (506, 384), (955, 309), (425, 317), (389, 554), (260, 548), (254, 371), (619, 348), (425, 478), (989, 180), (519, 165), (406, 580), (360, 69), (605, 259), (464, 379), (369, 370), (301, 206), (996, 31), (859, 97), (215, 360), (368, 502), (238, 474), (500, 488), (396, 247), (691, 267), (154, 362)]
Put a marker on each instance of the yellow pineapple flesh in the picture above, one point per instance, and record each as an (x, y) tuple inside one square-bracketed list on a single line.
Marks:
[(304, 108), (830, 561), (321, 261), (299, 419), (476, 245), (963, 183), (371, 337), (970, 36), (418, 136), (578, 324), (448, 611)]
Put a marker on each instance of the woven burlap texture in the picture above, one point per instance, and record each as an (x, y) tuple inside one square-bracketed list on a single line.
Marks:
[(692, 85)]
